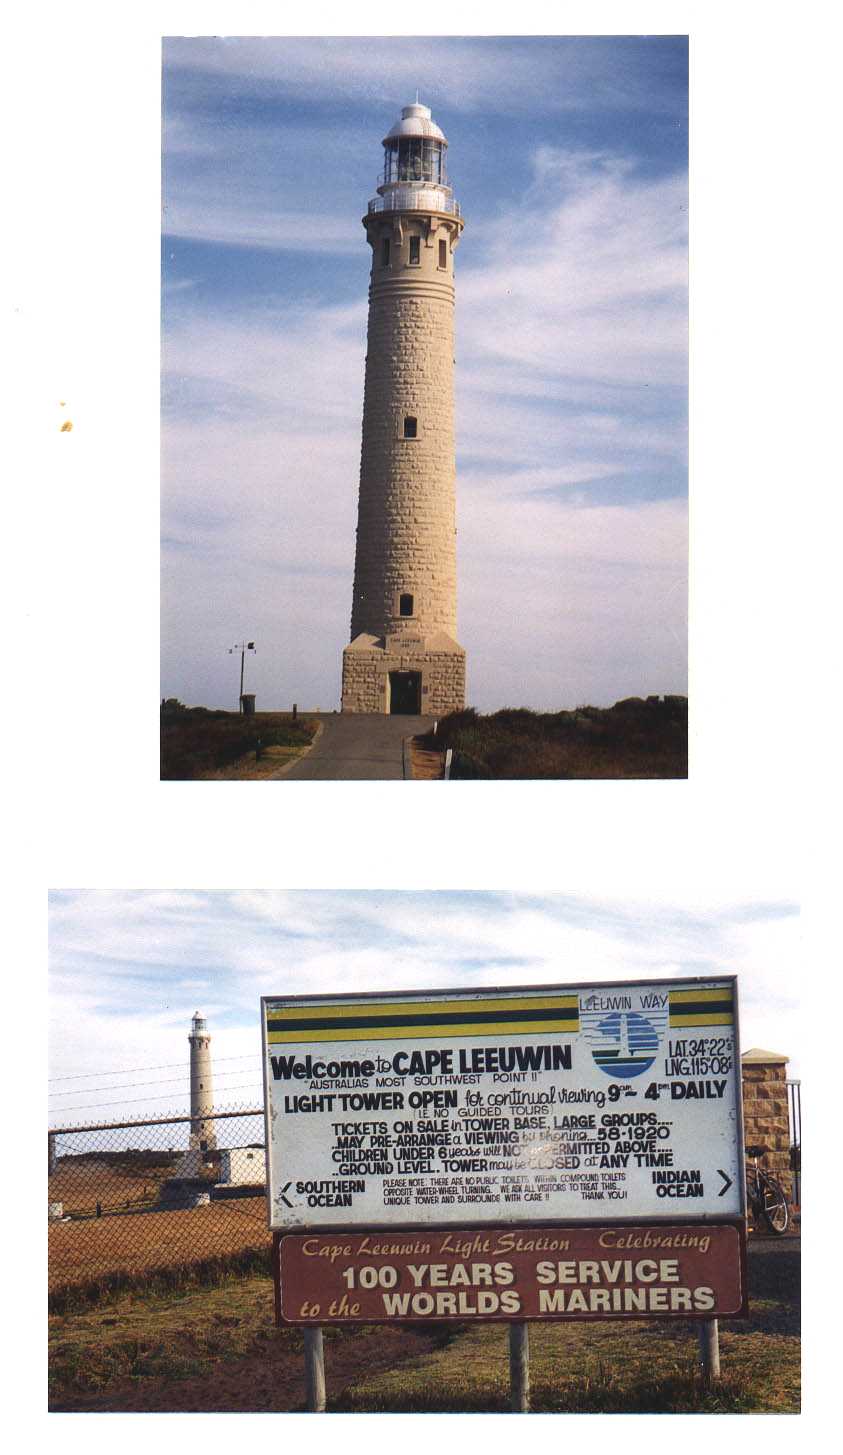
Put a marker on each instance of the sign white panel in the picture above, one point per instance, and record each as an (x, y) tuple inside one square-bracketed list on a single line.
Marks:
[(554, 1102)]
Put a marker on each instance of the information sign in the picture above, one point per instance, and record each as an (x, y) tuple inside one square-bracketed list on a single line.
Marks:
[(503, 1273), (584, 1102)]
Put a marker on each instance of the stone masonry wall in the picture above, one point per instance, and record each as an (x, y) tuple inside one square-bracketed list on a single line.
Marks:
[(406, 533), (765, 1112), (365, 679)]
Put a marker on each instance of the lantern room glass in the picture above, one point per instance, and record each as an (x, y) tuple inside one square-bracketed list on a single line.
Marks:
[(414, 159)]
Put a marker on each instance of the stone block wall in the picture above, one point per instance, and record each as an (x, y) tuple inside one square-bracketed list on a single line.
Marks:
[(406, 531), (765, 1112), (365, 679)]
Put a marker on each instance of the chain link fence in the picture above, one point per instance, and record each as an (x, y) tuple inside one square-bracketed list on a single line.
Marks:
[(794, 1105), (163, 1199)]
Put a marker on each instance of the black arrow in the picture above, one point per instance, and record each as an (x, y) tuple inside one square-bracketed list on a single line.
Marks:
[(727, 1182), (286, 1200)]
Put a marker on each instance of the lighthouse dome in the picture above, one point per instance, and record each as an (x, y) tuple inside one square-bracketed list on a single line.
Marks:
[(416, 120)]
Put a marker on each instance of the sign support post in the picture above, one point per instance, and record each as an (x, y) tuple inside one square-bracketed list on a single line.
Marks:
[(314, 1370), (519, 1368), (709, 1337)]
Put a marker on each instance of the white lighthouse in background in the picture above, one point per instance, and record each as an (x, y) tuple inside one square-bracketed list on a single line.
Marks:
[(202, 1133)]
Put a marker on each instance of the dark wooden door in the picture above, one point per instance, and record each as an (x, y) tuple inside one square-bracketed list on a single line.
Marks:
[(405, 692)]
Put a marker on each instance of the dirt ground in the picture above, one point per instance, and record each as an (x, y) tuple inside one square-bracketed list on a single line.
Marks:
[(79, 1185), (272, 1379), (426, 764)]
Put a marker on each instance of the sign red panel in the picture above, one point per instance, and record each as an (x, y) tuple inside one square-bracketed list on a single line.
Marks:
[(504, 1273)]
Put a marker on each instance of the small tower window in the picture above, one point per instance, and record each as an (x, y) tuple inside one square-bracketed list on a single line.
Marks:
[(410, 427), (415, 245), (405, 604), (384, 252), (443, 253)]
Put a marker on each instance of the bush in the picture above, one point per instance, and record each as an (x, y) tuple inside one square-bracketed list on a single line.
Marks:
[(464, 766), (195, 740), (637, 738)]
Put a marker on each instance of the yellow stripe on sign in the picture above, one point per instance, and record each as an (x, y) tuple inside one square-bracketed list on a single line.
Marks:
[(409, 1033), (713, 1018), (723, 992), (424, 1007), (400, 1020)]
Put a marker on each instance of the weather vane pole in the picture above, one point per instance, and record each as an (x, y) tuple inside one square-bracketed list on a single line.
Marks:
[(242, 648)]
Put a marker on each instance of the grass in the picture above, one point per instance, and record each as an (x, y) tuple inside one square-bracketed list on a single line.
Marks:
[(162, 1337), (152, 1334), (92, 1259), (164, 1280), (607, 1368), (636, 738), (148, 1337), (197, 743)]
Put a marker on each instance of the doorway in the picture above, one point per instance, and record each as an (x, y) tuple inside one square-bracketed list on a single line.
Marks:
[(405, 692)]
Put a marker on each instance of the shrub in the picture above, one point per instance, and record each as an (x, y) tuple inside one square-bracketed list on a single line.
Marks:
[(637, 738), (195, 740), (464, 766)]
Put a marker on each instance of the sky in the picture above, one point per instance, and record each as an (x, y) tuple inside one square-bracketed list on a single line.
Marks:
[(129, 968), (568, 156)]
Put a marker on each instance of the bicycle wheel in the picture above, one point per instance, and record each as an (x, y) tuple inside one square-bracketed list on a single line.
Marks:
[(776, 1212)]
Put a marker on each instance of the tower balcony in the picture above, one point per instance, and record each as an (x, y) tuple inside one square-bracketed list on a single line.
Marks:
[(415, 199)]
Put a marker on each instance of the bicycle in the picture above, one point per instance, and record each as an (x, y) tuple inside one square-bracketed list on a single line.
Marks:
[(766, 1197)]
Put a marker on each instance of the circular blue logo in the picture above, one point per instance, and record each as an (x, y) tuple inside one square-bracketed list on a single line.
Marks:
[(624, 1043)]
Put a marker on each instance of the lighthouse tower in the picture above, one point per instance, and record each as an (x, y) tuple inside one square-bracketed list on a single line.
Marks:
[(403, 655), (202, 1133)]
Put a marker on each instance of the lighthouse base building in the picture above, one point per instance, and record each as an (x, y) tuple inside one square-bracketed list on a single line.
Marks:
[(403, 655), (401, 673)]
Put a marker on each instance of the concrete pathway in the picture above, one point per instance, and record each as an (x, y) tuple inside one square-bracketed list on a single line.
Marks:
[(357, 745)]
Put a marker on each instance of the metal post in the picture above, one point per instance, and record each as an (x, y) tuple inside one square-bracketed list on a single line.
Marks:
[(519, 1369), (709, 1337), (314, 1369), (242, 648), (51, 1153)]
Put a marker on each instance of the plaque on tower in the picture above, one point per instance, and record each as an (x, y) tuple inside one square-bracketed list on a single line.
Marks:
[(405, 573)]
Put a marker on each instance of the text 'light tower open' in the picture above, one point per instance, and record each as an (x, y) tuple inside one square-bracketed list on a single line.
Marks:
[(403, 655)]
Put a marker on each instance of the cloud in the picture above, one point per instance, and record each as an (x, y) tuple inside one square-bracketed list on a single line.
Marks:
[(228, 223), (586, 283), (564, 74), (248, 183)]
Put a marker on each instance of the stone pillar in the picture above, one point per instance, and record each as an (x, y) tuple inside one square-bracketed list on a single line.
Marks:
[(765, 1110)]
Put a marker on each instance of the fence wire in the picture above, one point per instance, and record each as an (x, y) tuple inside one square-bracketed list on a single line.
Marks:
[(794, 1101), (130, 1199)]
